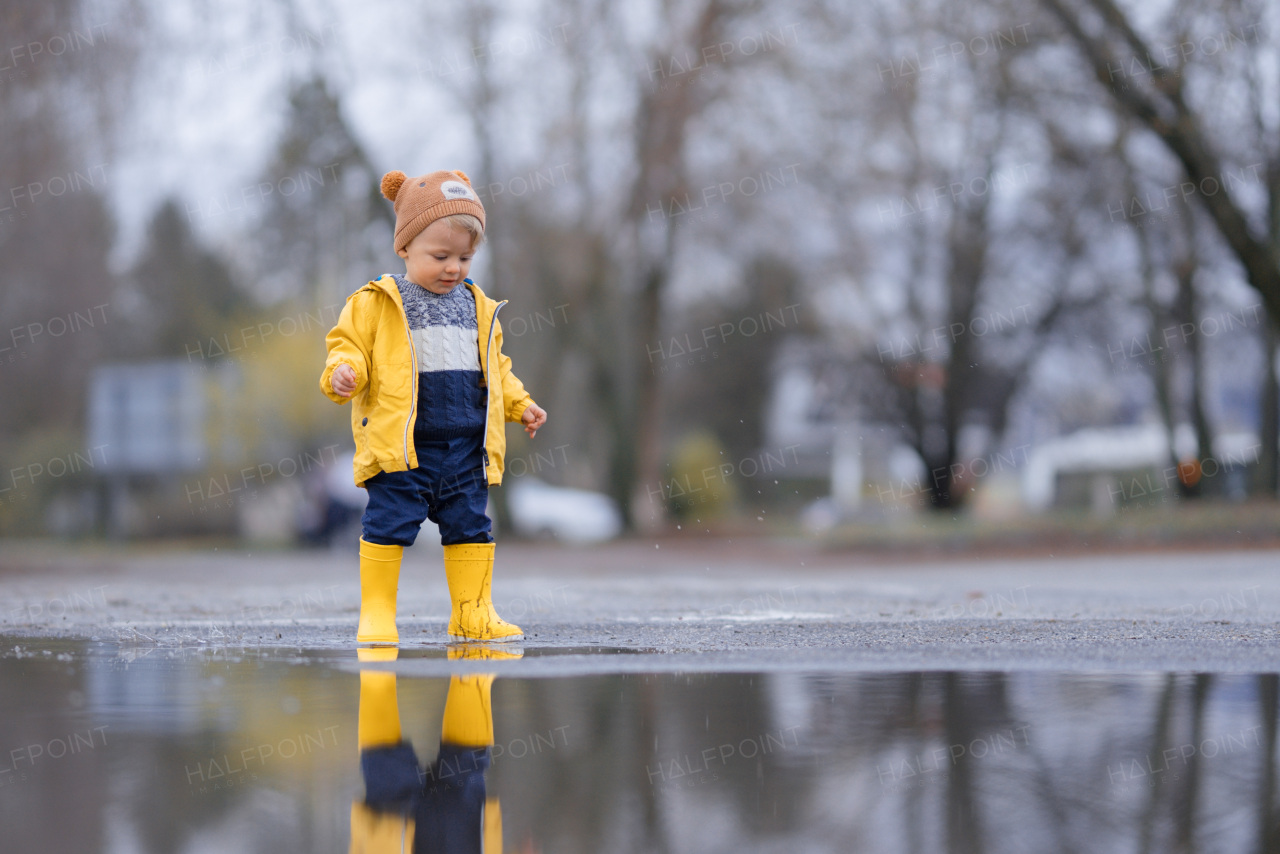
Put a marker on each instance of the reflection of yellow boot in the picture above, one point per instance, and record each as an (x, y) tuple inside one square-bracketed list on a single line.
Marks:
[(468, 713), (379, 721), (482, 651), (372, 831), (468, 724), (379, 582), (469, 569), (492, 831)]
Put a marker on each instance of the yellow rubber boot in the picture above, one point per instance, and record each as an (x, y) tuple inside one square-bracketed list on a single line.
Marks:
[(469, 569), (379, 583)]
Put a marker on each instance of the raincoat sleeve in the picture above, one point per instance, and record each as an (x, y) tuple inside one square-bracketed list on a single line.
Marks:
[(514, 398), (350, 342)]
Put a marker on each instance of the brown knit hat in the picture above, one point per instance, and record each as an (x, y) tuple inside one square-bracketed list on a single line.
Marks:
[(423, 200)]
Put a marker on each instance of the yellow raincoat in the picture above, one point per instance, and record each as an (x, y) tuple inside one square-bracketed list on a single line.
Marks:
[(372, 336)]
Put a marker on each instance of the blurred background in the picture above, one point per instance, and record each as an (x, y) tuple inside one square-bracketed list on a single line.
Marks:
[(879, 273)]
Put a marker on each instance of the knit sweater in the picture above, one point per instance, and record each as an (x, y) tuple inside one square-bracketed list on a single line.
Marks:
[(451, 398)]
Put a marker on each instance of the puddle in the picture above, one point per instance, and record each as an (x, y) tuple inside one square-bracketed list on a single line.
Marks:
[(130, 749)]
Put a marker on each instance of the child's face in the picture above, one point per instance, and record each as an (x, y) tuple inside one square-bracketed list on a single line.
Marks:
[(438, 258)]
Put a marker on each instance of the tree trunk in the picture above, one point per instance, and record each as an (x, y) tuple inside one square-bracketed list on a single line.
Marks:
[(1269, 417), (1186, 311), (646, 513), (1160, 373), (662, 124), (967, 239)]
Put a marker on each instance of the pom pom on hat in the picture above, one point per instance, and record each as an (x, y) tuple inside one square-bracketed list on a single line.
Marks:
[(462, 175), (391, 184)]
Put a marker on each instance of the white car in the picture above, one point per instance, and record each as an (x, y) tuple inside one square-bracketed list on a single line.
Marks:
[(574, 515)]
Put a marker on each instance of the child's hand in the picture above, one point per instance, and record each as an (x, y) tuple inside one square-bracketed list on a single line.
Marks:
[(343, 380), (534, 417)]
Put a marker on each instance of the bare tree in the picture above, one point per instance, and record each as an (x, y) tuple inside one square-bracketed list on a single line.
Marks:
[(1178, 93), (68, 66), (960, 345)]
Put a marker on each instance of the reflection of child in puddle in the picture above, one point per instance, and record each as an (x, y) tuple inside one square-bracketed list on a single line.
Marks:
[(443, 807)]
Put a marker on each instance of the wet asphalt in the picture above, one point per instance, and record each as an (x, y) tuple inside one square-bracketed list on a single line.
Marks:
[(679, 606)]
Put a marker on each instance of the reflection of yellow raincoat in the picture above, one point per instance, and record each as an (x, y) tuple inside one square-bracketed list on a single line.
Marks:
[(372, 336)]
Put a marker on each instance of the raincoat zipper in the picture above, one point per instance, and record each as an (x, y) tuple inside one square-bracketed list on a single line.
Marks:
[(488, 366), (413, 385)]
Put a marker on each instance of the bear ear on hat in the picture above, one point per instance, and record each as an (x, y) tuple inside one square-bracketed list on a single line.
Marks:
[(391, 184), (462, 175)]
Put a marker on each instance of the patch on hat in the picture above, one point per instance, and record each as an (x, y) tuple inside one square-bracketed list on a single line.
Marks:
[(457, 190)]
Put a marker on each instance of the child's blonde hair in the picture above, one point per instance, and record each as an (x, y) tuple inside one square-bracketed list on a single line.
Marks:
[(467, 223)]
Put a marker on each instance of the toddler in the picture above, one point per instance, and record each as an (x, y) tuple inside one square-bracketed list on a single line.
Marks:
[(420, 360)]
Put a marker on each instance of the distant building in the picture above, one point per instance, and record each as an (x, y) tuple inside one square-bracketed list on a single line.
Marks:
[(1110, 458), (150, 416)]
